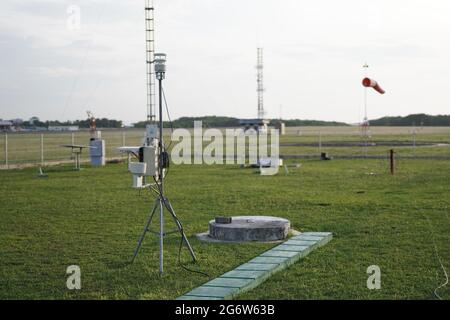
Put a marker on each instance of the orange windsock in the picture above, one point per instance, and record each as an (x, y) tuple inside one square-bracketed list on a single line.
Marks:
[(369, 83)]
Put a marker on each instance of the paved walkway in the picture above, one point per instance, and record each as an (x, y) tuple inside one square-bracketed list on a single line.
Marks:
[(251, 274)]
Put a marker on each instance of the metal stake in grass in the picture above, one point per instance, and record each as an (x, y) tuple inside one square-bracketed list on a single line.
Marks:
[(6, 150), (392, 161), (41, 173)]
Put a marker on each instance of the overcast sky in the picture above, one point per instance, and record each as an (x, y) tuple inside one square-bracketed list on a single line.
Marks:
[(313, 52)]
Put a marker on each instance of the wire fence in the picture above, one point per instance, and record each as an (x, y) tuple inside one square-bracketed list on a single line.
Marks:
[(349, 142), (32, 148), (44, 148)]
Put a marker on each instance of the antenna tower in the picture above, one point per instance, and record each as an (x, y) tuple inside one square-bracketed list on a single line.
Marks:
[(150, 56), (260, 83)]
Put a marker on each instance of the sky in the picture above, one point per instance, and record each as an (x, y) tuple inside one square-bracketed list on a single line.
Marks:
[(313, 57)]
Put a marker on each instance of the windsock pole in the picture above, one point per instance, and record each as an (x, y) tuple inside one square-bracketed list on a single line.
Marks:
[(368, 83), (365, 123)]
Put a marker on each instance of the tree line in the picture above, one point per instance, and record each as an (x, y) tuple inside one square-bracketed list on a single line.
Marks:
[(101, 123), (419, 119), (229, 122)]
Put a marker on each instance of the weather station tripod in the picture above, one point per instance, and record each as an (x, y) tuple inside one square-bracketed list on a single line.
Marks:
[(162, 202)]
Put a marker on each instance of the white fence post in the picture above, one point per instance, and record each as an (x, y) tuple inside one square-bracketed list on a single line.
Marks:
[(42, 149), (320, 142), (6, 150)]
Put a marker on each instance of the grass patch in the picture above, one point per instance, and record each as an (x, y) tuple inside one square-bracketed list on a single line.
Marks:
[(93, 219)]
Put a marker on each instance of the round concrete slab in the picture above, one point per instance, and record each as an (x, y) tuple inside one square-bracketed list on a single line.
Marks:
[(250, 228)]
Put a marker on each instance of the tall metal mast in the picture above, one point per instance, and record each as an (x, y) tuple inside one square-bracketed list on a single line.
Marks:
[(366, 119), (365, 125), (260, 83), (150, 55)]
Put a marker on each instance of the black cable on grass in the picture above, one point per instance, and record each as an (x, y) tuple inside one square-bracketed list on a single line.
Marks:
[(164, 200), (171, 129), (152, 188), (168, 115), (436, 252)]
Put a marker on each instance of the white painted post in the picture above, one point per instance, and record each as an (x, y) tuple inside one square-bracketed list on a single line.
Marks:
[(320, 142), (123, 145), (6, 150), (42, 149)]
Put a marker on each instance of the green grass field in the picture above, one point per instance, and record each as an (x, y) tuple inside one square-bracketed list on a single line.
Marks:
[(93, 219)]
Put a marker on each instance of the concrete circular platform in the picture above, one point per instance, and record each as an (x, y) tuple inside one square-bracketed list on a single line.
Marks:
[(250, 228)]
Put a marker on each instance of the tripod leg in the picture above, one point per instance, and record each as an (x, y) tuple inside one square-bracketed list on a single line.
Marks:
[(147, 225), (161, 237), (177, 222)]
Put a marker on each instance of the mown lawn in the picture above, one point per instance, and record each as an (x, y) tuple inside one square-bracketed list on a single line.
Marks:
[(93, 219)]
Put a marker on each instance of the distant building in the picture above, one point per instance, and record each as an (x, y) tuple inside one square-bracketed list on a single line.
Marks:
[(259, 125), (63, 128), (5, 125), (17, 122), (37, 128)]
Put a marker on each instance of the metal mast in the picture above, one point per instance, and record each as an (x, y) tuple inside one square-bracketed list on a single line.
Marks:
[(260, 83), (365, 125), (366, 119), (150, 55)]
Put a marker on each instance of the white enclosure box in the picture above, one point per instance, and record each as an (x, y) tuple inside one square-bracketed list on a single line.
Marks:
[(138, 182), (147, 166), (151, 135), (150, 158), (270, 162), (137, 168), (97, 152), (152, 131)]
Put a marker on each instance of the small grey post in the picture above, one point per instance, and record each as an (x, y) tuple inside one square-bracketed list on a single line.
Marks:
[(6, 150), (320, 142), (73, 138), (42, 149), (366, 144), (123, 145)]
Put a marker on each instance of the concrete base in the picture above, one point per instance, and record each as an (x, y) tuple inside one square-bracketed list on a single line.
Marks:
[(250, 228), (207, 238)]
